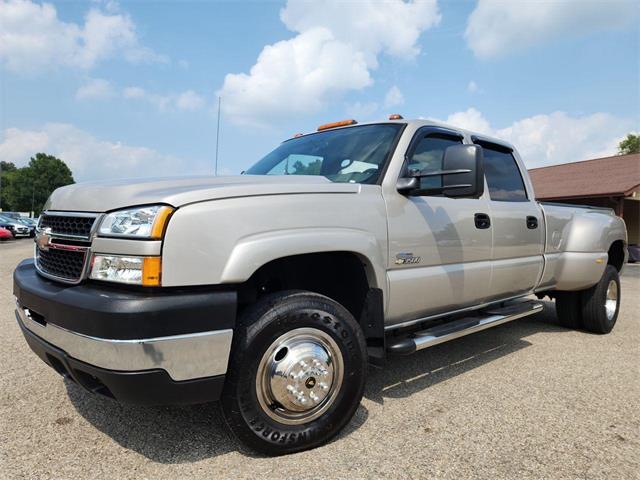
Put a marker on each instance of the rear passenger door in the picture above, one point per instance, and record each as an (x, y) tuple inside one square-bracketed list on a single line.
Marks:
[(518, 229)]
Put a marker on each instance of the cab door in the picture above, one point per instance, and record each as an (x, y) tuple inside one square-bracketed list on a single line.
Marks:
[(518, 227), (439, 248)]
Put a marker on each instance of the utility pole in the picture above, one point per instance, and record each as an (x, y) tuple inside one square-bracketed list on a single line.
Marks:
[(215, 171)]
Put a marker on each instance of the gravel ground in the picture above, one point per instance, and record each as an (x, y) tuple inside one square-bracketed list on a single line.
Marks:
[(528, 399)]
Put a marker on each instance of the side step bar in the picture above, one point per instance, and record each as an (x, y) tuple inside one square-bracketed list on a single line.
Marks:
[(484, 319)]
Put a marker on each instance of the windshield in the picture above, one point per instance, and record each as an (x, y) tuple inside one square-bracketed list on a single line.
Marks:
[(353, 155), (7, 217)]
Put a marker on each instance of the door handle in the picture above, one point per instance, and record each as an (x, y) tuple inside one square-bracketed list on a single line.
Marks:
[(532, 223), (483, 221)]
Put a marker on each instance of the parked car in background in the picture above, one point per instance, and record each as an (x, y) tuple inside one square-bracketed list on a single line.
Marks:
[(16, 227), (5, 234), (29, 222), (32, 223), (15, 215)]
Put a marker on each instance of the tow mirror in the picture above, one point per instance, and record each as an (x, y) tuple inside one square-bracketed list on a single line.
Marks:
[(462, 175)]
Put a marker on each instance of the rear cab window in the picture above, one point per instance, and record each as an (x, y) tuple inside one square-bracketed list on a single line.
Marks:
[(502, 173)]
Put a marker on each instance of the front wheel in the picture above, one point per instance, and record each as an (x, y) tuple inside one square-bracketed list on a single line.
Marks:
[(296, 373)]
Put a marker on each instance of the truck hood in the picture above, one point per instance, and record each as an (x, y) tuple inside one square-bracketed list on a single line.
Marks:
[(110, 195)]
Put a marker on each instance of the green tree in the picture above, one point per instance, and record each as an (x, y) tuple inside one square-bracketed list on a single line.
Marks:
[(29, 187), (312, 168), (7, 166), (7, 170), (631, 144)]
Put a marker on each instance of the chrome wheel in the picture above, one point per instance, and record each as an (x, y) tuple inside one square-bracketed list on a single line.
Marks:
[(299, 376), (611, 300)]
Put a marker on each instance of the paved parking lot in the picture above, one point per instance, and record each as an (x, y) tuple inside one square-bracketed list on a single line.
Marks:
[(527, 399)]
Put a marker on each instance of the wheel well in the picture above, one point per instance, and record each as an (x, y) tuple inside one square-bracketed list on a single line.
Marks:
[(341, 276), (616, 254)]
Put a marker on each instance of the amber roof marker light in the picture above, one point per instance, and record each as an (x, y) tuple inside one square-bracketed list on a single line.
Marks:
[(341, 123), (395, 116)]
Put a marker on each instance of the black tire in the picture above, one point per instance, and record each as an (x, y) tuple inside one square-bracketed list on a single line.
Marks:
[(259, 327), (569, 309), (594, 303)]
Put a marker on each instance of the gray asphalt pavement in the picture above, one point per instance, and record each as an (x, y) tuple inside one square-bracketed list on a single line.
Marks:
[(528, 399)]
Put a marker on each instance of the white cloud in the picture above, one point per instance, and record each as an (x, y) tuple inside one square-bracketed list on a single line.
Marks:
[(134, 92), (188, 100), (370, 26), (335, 49), (33, 39), (294, 77), (554, 138), (362, 111), (470, 119), (96, 88), (161, 102), (472, 87), (499, 27), (393, 98), (90, 158)]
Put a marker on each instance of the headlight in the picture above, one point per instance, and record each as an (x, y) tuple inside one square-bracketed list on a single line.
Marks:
[(143, 271), (141, 222)]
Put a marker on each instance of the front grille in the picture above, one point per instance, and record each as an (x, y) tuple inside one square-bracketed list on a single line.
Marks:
[(66, 264), (67, 224)]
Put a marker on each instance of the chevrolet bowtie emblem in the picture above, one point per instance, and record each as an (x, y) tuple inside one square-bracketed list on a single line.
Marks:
[(43, 239)]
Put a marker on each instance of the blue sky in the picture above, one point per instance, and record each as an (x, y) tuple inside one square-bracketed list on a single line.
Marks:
[(130, 89)]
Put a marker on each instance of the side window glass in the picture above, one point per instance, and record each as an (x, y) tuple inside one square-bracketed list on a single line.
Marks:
[(428, 156), (503, 176)]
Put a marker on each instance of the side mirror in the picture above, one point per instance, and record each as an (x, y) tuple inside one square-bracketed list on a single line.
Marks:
[(407, 185), (462, 175), (463, 171)]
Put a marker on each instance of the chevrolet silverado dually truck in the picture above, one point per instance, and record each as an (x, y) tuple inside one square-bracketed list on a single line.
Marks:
[(273, 290)]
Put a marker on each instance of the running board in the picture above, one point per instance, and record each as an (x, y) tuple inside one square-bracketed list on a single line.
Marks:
[(484, 319)]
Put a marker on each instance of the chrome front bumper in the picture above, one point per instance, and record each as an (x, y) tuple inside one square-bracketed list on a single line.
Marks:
[(183, 357)]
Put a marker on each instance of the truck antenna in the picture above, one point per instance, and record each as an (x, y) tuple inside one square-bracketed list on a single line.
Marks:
[(215, 172)]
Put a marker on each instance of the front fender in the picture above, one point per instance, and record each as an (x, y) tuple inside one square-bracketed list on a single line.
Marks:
[(226, 241), (254, 251)]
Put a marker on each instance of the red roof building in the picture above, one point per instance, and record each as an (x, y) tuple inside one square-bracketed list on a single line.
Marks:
[(605, 182)]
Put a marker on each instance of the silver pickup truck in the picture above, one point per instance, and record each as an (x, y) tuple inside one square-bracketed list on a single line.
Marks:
[(271, 291)]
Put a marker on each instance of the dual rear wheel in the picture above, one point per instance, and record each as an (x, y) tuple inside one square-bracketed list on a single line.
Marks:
[(594, 309)]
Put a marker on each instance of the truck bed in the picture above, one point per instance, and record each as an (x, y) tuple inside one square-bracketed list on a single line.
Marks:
[(577, 240)]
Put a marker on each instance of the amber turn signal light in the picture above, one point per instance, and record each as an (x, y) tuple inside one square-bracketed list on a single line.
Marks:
[(341, 123), (160, 222), (151, 271)]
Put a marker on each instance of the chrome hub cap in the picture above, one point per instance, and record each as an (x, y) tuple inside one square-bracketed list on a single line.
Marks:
[(299, 376), (611, 302)]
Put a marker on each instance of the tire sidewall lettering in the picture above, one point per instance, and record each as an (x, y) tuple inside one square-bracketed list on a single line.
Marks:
[(258, 421)]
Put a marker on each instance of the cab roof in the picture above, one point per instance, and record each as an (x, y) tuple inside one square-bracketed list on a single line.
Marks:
[(415, 123)]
